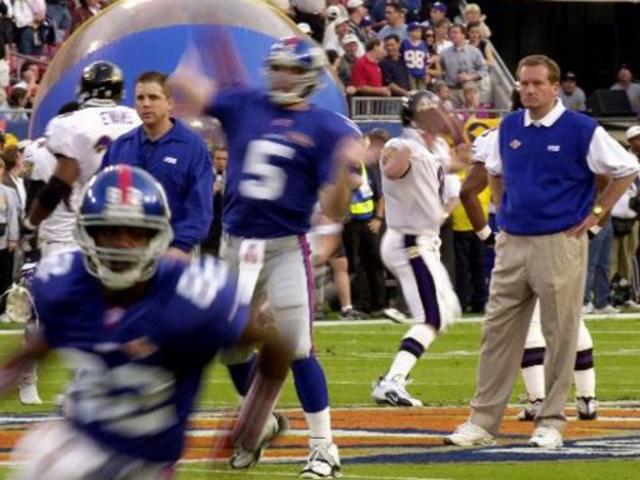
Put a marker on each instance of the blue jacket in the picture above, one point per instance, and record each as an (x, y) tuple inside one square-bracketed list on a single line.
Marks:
[(181, 163)]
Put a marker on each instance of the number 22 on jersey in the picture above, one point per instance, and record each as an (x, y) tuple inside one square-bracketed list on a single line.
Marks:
[(270, 180)]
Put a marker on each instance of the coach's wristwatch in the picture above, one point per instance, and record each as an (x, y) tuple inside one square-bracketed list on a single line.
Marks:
[(597, 210)]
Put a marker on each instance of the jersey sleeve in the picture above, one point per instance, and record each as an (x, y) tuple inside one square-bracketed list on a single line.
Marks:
[(226, 102), (208, 307), (65, 137), (341, 129)]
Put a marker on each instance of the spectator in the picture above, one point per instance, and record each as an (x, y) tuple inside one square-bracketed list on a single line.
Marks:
[(310, 12), (357, 11), (9, 232), (86, 10), (367, 27), (571, 94), (633, 137), (475, 38), (17, 101), (13, 176), (58, 11), (175, 156), (415, 56), (471, 102), (366, 76), (345, 65), (442, 41), (441, 89), (394, 71), (473, 15), (626, 82), (461, 63), (211, 244), (28, 16), (333, 61), (429, 37), (624, 220), (438, 14), (334, 37), (395, 22), (6, 39), (29, 79)]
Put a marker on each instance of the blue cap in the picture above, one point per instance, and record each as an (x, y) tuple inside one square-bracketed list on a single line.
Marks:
[(413, 26), (439, 6)]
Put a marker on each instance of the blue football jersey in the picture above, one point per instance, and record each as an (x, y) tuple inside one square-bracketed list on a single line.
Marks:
[(278, 160), (138, 368), (415, 57)]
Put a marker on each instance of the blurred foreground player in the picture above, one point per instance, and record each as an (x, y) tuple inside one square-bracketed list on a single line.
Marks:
[(140, 331), (284, 154)]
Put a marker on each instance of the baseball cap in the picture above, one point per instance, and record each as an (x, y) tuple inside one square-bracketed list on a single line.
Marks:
[(632, 132), (413, 26), (569, 76), (354, 3), (472, 7), (305, 28), (341, 19), (439, 6), (333, 12), (349, 38)]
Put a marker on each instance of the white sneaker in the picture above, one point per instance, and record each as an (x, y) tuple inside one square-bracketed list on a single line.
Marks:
[(28, 395), (323, 462), (530, 410), (606, 310), (394, 392), (587, 408), (631, 304), (469, 435), (546, 437), (587, 308), (245, 458)]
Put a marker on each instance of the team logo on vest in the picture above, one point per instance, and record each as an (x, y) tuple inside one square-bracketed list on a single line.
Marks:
[(515, 144), (553, 148)]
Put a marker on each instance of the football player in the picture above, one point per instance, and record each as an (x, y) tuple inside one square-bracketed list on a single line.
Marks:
[(284, 154), (139, 330), (533, 357), (413, 187), (78, 141)]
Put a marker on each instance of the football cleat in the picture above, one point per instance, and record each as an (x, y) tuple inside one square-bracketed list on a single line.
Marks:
[(246, 458), (587, 408), (530, 410), (323, 462), (394, 392), (28, 395)]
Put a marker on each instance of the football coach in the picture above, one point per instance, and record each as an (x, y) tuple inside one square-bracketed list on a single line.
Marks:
[(542, 172)]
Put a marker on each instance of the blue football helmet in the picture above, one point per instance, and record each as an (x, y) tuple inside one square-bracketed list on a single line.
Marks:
[(285, 87), (123, 196)]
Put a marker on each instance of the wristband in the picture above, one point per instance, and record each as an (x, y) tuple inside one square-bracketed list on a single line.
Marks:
[(484, 233)]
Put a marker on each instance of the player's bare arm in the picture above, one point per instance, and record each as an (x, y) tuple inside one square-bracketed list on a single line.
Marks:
[(56, 190), (497, 189), (396, 161)]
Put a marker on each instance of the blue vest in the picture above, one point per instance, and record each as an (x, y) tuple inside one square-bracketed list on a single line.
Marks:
[(548, 186)]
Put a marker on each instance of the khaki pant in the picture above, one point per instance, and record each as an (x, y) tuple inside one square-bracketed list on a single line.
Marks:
[(622, 253), (552, 268)]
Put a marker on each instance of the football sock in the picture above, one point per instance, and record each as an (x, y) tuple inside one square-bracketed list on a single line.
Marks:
[(241, 375), (311, 387), (584, 374), (412, 346), (533, 372)]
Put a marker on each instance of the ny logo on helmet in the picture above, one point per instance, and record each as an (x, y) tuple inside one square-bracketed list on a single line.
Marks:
[(124, 201)]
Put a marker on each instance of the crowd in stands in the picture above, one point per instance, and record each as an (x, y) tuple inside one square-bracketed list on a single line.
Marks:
[(377, 48)]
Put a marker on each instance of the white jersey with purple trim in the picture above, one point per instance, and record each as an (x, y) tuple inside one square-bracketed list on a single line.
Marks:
[(83, 135), (414, 204), (484, 145)]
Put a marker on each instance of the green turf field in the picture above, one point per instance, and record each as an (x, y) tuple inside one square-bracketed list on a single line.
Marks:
[(354, 355)]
